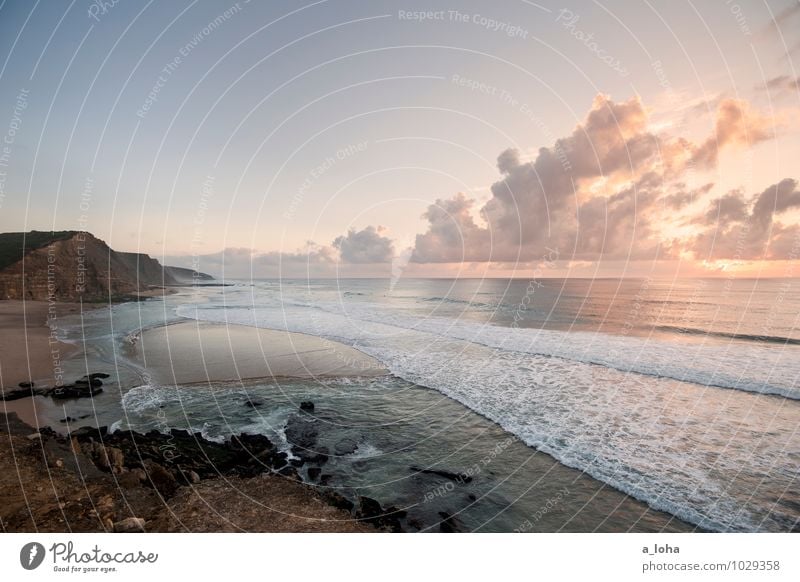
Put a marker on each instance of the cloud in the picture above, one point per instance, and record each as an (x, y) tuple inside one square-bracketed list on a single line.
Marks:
[(237, 262), (782, 27), (743, 229), (365, 246), (343, 257), (776, 24), (602, 192), (782, 83), (452, 236), (536, 204), (680, 197), (737, 124), (724, 210)]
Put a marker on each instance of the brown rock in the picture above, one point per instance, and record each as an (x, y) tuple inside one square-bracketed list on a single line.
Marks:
[(130, 525), (159, 478), (106, 458)]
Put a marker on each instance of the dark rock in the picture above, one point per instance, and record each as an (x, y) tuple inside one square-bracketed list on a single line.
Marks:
[(449, 523), (74, 391), (89, 432), (26, 385), (457, 477), (253, 403), (371, 511), (160, 479), (319, 457), (289, 471), (307, 405), (472, 497), (273, 459), (96, 375), (314, 473), (17, 394), (68, 419), (252, 442), (93, 382), (346, 446), (303, 434), (337, 500), (325, 479), (297, 462), (368, 508)]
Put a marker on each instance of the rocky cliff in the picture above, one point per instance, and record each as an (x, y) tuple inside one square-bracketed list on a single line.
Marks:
[(188, 276), (71, 265)]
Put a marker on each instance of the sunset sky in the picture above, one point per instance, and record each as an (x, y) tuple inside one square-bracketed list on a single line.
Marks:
[(365, 138)]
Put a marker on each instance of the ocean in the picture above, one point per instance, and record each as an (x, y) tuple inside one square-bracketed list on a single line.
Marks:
[(572, 405)]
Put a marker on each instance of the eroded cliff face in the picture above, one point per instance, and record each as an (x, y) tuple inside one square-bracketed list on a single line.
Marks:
[(80, 267)]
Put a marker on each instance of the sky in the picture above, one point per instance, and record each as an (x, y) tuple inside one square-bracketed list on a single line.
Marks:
[(372, 138)]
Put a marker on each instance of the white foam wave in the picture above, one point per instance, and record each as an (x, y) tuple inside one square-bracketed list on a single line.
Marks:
[(364, 451), (655, 434)]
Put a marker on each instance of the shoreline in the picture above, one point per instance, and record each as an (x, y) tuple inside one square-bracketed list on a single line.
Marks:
[(93, 481), (173, 354), (28, 346), (57, 482)]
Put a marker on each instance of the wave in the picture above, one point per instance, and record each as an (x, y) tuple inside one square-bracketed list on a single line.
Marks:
[(196, 408), (750, 367), (364, 451), (634, 413), (770, 339)]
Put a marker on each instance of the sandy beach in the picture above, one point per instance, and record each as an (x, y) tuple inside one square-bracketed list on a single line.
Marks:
[(28, 351), (192, 352)]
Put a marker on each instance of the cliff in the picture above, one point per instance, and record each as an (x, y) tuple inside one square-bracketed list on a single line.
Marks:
[(187, 276), (71, 265)]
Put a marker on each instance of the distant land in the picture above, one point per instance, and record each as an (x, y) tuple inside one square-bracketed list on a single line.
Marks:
[(75, 265)]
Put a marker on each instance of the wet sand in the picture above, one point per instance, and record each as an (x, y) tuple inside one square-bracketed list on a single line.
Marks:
[(192, 352), (27, 350)]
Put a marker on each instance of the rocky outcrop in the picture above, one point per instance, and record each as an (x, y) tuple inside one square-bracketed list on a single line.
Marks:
[(188, 276), (72, 266), (84, 387)]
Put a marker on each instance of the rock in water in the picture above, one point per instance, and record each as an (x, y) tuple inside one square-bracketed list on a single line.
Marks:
[(75, 391), (17, 394), (338, 500), (307, 405), (457, 477), (93, 382), (371, 511), (449, 523)]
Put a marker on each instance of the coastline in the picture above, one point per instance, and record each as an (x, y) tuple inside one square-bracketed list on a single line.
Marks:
[(190, 352), (50, 483), (28, 350), (56, 482), (178, 353)]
